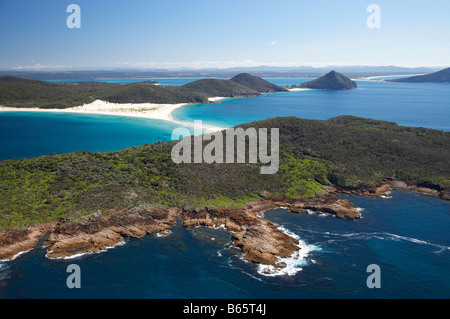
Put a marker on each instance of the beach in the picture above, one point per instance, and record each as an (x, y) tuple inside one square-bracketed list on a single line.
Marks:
[(143, 110)]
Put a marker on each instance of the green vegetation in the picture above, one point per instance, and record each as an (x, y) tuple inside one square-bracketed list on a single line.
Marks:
[(149, 93), (23, 93), (214, 87), (15, 92), (344, 151)]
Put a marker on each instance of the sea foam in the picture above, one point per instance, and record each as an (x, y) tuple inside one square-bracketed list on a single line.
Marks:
[(294, 263)]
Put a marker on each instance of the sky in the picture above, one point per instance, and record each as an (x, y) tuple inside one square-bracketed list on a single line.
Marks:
[(34, 34)]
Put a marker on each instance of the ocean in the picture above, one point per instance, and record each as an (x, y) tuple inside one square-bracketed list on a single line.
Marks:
[(406, 236)]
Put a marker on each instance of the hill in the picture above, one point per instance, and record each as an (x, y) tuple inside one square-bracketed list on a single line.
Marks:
[(17, 92), (215, 87), (344, 152), (149, 93), (442, 76), (25, 93), (256, 83), (330, 81)]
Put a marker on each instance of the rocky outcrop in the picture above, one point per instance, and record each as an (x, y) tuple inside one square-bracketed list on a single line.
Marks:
[(383, 188), (103, 232), (13, 243), (259, 239)]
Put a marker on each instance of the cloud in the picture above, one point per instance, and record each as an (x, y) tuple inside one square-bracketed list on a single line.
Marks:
[(272, 43), (38, 66)]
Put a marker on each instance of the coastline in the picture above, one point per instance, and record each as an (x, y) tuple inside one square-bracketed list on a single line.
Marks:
[(144, 110), (261, 241)]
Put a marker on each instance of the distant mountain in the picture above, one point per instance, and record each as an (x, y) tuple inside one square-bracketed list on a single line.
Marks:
[(261, 71), (215, 87), (330, 81), (441, 76), (256, 83)]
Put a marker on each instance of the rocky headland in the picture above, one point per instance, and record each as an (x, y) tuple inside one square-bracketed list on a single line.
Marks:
[(259, 239)]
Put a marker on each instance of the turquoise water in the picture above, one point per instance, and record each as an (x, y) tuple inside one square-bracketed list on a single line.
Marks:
[(406, 236), (29, 134), (410, 104)]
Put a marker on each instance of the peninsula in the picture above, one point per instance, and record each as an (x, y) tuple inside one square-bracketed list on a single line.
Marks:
[(330, 81), (86, 202), (25, 93), (442, 76)]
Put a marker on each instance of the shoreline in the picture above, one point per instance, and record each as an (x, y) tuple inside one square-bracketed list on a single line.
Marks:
[(270, 246), (152, 111)]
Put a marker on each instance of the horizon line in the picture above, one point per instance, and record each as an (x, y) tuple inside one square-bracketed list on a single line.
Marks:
[(45, 68)]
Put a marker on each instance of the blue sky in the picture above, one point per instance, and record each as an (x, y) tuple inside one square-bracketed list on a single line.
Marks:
[(211, 33)]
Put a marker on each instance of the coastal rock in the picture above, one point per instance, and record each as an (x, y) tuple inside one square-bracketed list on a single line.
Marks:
[(445, 194), (13, 243), (108, 231), (259, 239)]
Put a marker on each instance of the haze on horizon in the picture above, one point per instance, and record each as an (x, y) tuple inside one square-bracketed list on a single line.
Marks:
[(200, 34)]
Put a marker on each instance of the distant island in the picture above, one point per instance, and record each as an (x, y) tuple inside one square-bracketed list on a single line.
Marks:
[(25, 93), (442, 76), (86, 202), (330, 81)]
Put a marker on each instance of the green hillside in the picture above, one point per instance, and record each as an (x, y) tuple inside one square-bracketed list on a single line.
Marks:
[(215, 87), (17, 92), (149, 93), (344, 151), (24, 93)]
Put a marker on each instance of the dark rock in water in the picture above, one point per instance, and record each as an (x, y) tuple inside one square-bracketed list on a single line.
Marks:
[(330, 81)]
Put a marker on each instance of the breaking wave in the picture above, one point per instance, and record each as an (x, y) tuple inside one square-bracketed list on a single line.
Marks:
[(292, 264)]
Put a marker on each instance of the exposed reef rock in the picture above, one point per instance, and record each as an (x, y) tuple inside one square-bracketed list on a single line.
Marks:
[(260, 240)]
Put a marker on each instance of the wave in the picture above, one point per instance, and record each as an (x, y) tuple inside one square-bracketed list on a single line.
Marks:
[(85, 254), (15, 256), (164, 233), (292, 264), (331, 237)]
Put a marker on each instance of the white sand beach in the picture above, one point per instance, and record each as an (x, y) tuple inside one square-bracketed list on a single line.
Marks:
[(144, 110), (299, 89)]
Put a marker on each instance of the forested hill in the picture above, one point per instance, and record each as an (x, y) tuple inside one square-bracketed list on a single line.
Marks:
[(344, 151)]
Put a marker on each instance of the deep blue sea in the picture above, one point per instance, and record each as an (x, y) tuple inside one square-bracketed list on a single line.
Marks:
[(407, 236)]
